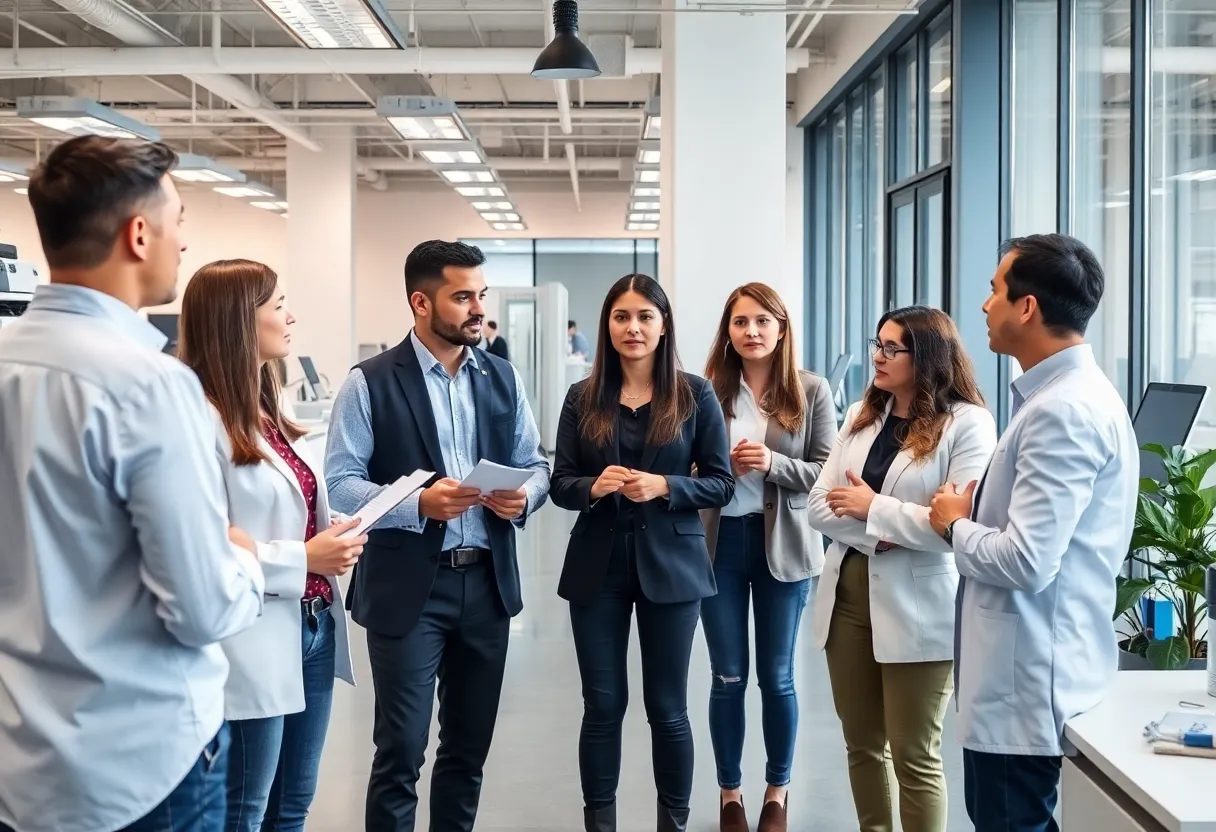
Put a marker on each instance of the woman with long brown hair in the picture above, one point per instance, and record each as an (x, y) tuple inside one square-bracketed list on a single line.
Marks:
[(884, 608), (234, 326), (628, 440), (781, 424)]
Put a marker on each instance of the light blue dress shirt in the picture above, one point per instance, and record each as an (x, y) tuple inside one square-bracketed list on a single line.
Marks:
[(1036, 641), (117, 578), (351, 443)]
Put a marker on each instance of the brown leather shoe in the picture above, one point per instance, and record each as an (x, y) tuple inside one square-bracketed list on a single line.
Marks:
[(733, 818), (772, 817)]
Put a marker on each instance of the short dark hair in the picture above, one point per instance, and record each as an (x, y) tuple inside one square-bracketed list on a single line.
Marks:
[(1061, 273), (88, 189), (492, 324), (570, 324), (424, 267)]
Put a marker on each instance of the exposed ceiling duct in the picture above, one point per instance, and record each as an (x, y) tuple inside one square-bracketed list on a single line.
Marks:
[(129, 26), (191, 61)]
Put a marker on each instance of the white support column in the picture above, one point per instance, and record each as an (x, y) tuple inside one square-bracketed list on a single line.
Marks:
[(724, 147), (321, 255)]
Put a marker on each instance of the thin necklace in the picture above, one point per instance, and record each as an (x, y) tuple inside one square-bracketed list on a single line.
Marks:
[(638, 396)]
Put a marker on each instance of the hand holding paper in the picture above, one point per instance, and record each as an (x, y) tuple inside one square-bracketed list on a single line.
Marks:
[(490, 476), (387, 500)]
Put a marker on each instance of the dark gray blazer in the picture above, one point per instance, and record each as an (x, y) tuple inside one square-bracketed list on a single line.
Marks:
[(795, 550)]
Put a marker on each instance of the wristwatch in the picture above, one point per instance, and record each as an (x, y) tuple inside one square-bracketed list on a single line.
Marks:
[(948, 534)]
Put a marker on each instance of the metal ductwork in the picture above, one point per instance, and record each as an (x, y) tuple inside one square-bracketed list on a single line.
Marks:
[(119, 20), (72, 61)]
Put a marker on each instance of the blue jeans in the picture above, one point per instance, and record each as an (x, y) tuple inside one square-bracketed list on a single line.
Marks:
[(197, 804), (741, 569), (1011, 792), (272, 770), (601, 643)]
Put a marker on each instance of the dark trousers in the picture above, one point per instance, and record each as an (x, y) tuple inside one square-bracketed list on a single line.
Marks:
[(601, 643), (461, 640), (1011, 792), (742, 573)]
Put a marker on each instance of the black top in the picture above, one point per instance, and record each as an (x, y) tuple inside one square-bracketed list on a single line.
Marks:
[(883, 451), (633, 424)]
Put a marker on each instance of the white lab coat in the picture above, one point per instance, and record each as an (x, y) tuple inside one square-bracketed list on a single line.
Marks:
[(266, 661), (1036, 642), (912, 585)]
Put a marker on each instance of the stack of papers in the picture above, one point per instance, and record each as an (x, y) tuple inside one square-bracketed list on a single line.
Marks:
[(388, 499), (490, 476)]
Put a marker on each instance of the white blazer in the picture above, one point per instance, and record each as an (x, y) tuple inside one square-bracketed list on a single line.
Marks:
[(266, 675), (913, 584)]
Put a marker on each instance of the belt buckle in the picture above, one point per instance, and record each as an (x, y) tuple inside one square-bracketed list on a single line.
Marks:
[(314, 606), (463, 556)]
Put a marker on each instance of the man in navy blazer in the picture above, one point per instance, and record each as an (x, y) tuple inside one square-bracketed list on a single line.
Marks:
[(439, 582)]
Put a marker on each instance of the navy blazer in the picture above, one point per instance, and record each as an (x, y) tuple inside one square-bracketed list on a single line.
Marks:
[(673, 561)]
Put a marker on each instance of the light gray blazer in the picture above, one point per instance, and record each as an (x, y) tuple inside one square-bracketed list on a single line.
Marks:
[(795, 550)]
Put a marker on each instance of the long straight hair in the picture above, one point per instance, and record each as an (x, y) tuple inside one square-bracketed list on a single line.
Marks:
[(218, 334), (783, 400), (944, 378), (671, 397)]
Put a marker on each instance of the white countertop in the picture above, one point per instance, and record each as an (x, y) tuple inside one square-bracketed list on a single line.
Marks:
[(1176, 791)]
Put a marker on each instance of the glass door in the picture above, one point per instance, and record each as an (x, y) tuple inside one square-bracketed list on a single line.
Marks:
[(520, 319)]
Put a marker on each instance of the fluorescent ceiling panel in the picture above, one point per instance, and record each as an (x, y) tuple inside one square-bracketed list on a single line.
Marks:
[(647, 175), (461, 176), (648, 153), (452, 157), (500, 217), (423, 118), (81, 117), (249, 190), (270, 206), (194, 168), (22, 191), (493, 206), (641, 190), (338, 24), (509, 226), (493, 191), (644, 205), (645, 217), (652, 127), (642, 226)]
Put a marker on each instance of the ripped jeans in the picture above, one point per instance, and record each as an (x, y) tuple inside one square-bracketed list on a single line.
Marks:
[(741, 569)]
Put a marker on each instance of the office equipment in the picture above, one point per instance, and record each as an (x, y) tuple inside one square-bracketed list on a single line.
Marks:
[(1166, 416), (314, 388), (17, 283), (835, 380), (388, 499), (167, 324)]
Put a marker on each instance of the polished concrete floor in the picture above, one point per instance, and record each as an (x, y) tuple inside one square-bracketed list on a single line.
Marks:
[(531, 779)]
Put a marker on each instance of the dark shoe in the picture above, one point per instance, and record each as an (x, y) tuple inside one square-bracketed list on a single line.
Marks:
[(672, 820), (600, 820), (772, 817), (732, 818)]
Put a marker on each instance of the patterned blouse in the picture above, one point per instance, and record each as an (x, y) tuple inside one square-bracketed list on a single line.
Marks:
[(316, 586)]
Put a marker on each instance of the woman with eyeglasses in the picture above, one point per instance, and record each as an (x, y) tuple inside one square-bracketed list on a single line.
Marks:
[(884, 609)]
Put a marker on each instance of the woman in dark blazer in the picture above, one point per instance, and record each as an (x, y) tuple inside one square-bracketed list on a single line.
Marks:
[(629, 439)]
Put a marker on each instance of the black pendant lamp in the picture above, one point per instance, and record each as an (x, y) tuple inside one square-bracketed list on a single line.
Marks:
[(566, 58)]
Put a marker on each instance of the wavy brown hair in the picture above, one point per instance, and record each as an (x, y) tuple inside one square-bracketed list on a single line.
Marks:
[(671, 398), (943, 373), (784, 399), (218, 339)]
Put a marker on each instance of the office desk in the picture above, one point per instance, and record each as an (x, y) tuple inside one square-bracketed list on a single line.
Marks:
[(1116, 783)]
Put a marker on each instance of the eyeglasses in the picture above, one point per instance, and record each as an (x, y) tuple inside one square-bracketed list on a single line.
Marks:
[(889, 351)]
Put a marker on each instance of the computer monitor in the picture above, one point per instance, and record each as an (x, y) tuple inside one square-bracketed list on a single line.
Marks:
[(167, 324), (312, 379), (1166, 416)]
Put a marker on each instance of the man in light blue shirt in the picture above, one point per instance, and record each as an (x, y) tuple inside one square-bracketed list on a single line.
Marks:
[(1037, 560), (119, 572)]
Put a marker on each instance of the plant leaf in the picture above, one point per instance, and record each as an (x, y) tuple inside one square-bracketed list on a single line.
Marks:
[(1138, 644), (1148, 485), (1197, 466), (1172, 653), (1155, 449), (1129, 592)]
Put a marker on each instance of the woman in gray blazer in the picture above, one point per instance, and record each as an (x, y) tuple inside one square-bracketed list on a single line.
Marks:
[(781, 425)]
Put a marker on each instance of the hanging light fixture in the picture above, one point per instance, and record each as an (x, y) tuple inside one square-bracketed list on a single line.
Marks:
[(566, 58)]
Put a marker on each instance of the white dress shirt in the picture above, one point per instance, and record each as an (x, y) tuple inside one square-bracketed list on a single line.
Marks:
[(749, 423), (117, 579), (1036, 644)]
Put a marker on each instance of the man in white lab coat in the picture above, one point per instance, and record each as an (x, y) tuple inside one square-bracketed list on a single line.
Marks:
[(1038, 556)]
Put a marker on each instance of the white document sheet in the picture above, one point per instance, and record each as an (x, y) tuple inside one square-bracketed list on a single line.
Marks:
[(374, 509), (490, 476)]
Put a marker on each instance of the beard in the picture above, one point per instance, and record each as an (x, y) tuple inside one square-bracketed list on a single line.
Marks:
[(456, 335)]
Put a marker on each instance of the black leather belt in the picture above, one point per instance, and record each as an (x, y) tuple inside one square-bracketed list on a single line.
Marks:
[(463, 557), (314, 606)]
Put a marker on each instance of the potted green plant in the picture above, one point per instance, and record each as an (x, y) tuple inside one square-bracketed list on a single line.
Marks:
[(1174, 545)]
